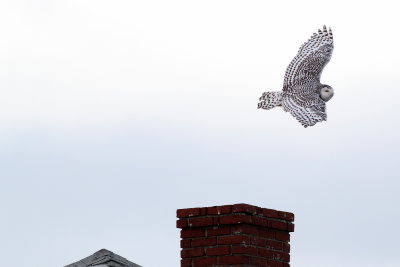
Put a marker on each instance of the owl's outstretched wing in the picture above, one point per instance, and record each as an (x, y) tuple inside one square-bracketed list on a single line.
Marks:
[(311, 59), (308, 108)]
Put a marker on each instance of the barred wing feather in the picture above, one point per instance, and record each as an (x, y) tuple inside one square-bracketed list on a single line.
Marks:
[(310, 60)]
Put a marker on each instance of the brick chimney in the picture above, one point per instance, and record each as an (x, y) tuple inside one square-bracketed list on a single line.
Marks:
[(235, 235)]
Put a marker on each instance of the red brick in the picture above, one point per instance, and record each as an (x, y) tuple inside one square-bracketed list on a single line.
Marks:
[(267, 233), (192, 252), (279, 225), (272, 263), (237, 259), (270, 213), (266, 253), (281, 256), (234, 219), (244, 229), (286, 216), (187, 233), (186, 263), (275, 245), (234, 239), (258, 261), (221, 230), (204, 242), (200, 221), (237, 249), (185, 243), (203, 211), (261, 221), (217, 210), (283, 236), (244, 208), (258, 241), (184, 213), (205, 262), (182, 223), (216, 220), (218, 251), (290, 227), (286, 247)]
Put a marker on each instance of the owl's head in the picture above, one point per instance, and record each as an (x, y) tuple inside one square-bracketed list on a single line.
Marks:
[(326, 92)]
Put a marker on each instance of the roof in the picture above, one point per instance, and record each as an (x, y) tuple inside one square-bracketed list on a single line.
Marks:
[(103, 258)]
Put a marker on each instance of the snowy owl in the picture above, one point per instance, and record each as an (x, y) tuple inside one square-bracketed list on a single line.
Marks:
[(303, 95)]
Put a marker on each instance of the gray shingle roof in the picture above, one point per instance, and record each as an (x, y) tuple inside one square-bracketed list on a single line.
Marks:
[(103, 258)]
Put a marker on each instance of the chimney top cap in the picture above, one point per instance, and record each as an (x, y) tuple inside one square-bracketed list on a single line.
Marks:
[(235, 208)]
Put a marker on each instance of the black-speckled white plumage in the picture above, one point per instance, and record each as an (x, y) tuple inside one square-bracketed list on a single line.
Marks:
[(303, 95)]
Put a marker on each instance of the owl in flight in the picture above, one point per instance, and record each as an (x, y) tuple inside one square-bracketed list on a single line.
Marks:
[(303, 95)]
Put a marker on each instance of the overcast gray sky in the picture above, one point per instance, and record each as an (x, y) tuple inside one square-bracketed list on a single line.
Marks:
[(113, 114)]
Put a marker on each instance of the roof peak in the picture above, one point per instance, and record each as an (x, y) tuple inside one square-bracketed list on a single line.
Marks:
[(103, 257)]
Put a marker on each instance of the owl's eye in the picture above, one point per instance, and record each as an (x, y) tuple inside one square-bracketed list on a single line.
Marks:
[(326, 91)]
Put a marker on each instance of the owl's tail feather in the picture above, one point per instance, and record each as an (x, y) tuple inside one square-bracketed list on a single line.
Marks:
[(270, 100)]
